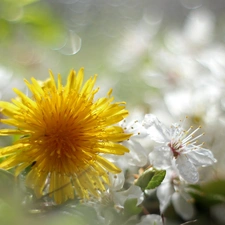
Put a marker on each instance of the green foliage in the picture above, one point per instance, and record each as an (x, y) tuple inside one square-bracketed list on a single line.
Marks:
[(21, 2), (215, 188), (10, 192), (42, 25), (84, 210), (210, 193), (150, 179), (131, 208), (156, 179), (7, 183), (7, 214), (5, 29), (32, 19)]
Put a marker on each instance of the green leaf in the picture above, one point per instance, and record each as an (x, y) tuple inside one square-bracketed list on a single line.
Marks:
[(144, 179), (150, 179), (216, 187), (156, 179), (209, 194), (131, 208)]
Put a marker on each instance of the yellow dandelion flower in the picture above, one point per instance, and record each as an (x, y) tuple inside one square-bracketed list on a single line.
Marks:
[(64, 135)]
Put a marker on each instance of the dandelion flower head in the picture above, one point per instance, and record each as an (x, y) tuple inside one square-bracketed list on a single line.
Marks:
[(64, 134)]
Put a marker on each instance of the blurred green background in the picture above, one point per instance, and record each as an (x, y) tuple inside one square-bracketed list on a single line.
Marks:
[(119, 40), (166, 57)]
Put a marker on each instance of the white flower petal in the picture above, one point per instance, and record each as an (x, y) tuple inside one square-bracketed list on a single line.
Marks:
[(164, 193), (186, 169), (176, 131), (182, 207), (201, 157), (156, 130), (134, 192), (116, 181), (152, 219), (134, 127), (137, 155), (161, 157)]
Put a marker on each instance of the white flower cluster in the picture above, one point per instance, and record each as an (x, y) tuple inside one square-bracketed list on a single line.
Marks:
[(177, 151)]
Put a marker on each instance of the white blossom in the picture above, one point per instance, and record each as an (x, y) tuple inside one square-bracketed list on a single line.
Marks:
[(137, 155), (116, 181), (117, 199), (134, 192), (151, 219), (178, 149), (172, 190)]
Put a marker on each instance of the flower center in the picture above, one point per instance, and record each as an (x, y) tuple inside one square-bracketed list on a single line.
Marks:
[(175, 148)]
